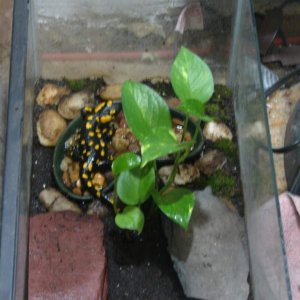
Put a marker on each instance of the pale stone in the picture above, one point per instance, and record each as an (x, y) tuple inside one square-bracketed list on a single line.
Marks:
[(214, 131), (50, 126), (211, 257), (53, 200)]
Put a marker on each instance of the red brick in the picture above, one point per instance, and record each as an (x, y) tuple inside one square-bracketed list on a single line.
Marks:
[(66, 257)]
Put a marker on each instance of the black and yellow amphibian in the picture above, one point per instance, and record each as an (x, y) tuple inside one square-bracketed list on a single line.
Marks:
[(91, 143)]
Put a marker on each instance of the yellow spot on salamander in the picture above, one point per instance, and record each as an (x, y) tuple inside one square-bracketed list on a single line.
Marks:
[(88, 125), (88, 153), (90, 167), (102, 143), (97, 147), (84, 151), (102, 153), (91, 143), (104, 130), (109, 103), (89, 184), (99, 135), (88, 108), (84, 176), (82, 142), (91, 133), (112, 111), (98, 161), (90, 118), (98, 194), (110, 132), (85, 165), (99, 107), (105, 119)]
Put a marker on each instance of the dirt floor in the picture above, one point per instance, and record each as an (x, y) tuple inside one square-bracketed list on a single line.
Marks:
[(139, 267)]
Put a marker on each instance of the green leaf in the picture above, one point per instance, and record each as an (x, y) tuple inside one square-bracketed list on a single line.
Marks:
[(134, 186), (195, 108), (177, 205), (131, 218), (191, 77), (161, 143), (144, 109), (126, 161)]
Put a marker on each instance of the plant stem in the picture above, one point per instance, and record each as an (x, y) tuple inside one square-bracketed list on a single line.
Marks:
[(180, 157), (172, 175), (187, 151), (115, 195), (185, 124)]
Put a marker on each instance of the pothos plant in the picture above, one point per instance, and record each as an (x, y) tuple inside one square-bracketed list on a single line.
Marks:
[(148, 116)]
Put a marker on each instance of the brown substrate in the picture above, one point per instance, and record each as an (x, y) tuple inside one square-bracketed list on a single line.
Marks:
[(138, 267)]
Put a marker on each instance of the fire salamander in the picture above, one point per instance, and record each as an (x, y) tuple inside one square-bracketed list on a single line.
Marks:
[(90, 146)]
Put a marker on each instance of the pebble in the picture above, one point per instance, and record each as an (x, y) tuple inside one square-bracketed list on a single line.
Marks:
[(50, 94), (214, 131), (110, 92), (50, 126), (53, 200), (70, 106)]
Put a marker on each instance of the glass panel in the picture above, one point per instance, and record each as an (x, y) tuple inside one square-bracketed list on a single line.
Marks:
[(122, 40), (266, 245), (137, 39)]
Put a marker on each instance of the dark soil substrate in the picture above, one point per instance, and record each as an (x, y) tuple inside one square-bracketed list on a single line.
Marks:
[(139, 267)]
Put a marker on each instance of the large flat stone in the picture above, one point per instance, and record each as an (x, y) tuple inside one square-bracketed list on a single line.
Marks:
[(66, 257), (210, 257)]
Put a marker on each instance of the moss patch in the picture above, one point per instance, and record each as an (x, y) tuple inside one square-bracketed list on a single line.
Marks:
[(222, 184), (76, 85), (219, 106), (228, 147)]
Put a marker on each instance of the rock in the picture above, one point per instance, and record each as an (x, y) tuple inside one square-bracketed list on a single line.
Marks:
[(210, 257), (186, 174), (124, 140), (50, 125), (53, 200), (214, 131), (66, 257), (64, 165), (99, 180), (69, 107), (50, 94), (110, 92), (211, 161)]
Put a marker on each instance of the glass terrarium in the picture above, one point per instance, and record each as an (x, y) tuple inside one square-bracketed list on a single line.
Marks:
[(120, 40)]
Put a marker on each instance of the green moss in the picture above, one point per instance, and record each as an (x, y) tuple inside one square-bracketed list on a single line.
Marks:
[(220, 105), (77, 84), (212, 108), (222, 185), (228, 147), (222, 91), (215, 111)]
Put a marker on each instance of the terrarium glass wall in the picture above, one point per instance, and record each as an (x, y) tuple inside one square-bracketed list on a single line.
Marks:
[(265, 238), (133, 39)]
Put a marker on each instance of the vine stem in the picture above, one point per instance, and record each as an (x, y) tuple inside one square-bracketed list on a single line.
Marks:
[(115, 196), (180, 157)]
